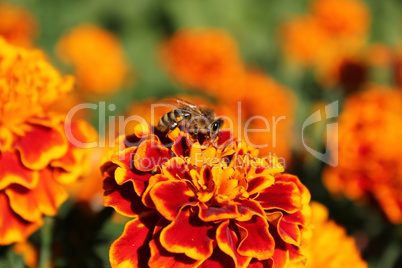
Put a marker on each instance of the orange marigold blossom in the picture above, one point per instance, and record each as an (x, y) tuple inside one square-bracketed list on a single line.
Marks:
[(17, 25), (342, 17), (328, 234), (203, 206), (303, 38), (35, 155), (369, 150), (98, 59), (204, 59), (268, 107)]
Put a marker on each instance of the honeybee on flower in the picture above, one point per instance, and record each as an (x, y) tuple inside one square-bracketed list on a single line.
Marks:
[(193, 119)]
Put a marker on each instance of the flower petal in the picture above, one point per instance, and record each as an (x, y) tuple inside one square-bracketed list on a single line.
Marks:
[(45, 198), (258, 242), (126, 170), (189, 235), (258, 184), (12, 227), (151, 153), (288, 231), (160, 257), (131, 248), (248, 209), (210, 213), (40, 145), (281, 195), (170, 196), (227, 240), (175, 168), (181, 146), (122, 198), (218, 260), (13, 172)]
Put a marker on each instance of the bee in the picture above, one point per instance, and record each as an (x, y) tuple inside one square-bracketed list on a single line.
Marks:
[(193, 119)]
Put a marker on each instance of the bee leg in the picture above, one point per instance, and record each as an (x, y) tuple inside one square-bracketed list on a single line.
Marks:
[(195, 132), (208, 137), (172, 127)]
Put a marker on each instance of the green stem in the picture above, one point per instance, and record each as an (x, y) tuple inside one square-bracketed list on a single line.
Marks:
[(45, 250)]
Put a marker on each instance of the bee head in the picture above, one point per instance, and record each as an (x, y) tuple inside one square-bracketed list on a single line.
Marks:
[(215, 127)]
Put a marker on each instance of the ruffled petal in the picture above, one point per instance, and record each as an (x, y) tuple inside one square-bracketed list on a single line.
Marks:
[(210, 213), (45, 198), (228, 241), (281, 195), (288, 231), (13, 172), (181, 146), (13, 228), (126, 170), (131, 248), (40, 145), (170, 196), (256, 242), (70, 166), (218, 260), (151, 153), (160, 257), (248, 208), (122, 198), (258, 184), (189, 235)]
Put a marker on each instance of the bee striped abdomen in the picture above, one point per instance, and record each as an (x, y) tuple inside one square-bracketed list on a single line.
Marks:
[(171, 118)]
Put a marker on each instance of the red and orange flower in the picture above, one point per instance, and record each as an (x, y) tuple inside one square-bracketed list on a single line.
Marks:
[(199, 206), (369, 150), (35, 155)]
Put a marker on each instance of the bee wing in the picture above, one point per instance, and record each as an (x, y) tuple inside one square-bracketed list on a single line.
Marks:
[(184, 106)]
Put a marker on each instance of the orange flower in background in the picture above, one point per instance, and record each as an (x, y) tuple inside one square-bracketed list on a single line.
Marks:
[(97, 57), (330, 38), (195, 206), (369, 150), (342, 17), (340, 249), (17, 25), (272, 106), (303, 38), (204, 59), (35, 155)]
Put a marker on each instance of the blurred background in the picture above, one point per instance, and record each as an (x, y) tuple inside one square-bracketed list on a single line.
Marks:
[(279, 58)]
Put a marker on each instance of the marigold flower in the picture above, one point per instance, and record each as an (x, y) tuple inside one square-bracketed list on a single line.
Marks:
[(328, 234), (97, 56), (17, 25), (342, 17), (198, 206), (35, 155), (204, 59), (328, 38), (272, 106), (369, 150), (303, 38)]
